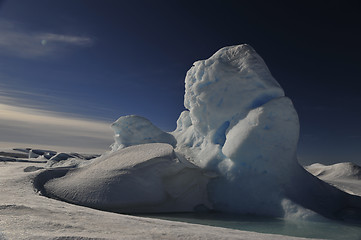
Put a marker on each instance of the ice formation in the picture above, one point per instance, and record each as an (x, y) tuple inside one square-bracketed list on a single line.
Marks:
[(234, 150), (132, 130), (220, 91), (140, 178)]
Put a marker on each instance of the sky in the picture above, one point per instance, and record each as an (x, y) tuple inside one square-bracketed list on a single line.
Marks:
[(68, 69)]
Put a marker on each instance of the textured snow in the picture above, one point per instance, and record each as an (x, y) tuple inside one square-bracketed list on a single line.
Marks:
[(140, 178), (26, 215), (345, 170), (346, 175), (219, 92)]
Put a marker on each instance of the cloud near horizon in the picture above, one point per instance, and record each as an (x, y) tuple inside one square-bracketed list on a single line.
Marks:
[(33, 127), (15, 41)]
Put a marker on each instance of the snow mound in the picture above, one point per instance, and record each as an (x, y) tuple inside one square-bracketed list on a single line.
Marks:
[(141, 178), (345, 170), (345, 176), (234, 150)]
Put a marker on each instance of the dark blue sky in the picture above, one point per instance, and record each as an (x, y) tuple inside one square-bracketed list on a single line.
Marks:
[(104, 59)]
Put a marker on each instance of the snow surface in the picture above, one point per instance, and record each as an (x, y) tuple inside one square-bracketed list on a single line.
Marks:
[(140, 178), (24, 214), (346, 175)]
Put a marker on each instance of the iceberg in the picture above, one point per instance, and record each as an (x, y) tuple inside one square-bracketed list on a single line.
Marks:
[(219, 92), (234, 151)]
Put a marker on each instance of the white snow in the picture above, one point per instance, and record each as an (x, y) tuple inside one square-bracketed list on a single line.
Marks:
[(140, 178), (346, 175), (24, 214)]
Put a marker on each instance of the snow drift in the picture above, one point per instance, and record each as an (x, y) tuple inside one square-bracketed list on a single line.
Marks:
[(234, 150), (141, 178), (346, 175), (339, 171)]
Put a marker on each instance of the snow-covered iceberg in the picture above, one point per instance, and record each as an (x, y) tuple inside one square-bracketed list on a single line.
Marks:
[(234, 150), (221, 91)]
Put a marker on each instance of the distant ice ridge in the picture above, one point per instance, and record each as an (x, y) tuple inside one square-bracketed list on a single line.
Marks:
[(346, 175), (345, 170), (236, 144)]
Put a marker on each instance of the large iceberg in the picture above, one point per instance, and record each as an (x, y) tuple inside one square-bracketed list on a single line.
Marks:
[(234, 150)]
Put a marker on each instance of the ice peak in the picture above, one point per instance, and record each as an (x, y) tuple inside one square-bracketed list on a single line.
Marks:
[(231, 53), (221, 91)]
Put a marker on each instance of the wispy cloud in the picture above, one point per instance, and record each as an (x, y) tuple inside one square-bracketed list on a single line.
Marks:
[(31, 126), (19, 42), (50, 100), (30, 119)]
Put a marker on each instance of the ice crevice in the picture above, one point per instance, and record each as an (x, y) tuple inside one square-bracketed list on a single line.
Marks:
[(234, 151)]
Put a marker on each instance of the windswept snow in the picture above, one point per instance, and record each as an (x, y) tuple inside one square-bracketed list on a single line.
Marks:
[(346, 175), (339, 171), (26, 215), (140, 178)]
